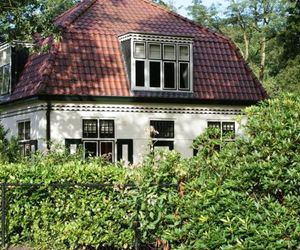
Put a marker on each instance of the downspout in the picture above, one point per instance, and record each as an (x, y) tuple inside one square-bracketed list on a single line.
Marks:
[(48, 125)]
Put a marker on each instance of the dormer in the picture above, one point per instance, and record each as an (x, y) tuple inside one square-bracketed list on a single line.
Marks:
[(13, 57), (158, 62)]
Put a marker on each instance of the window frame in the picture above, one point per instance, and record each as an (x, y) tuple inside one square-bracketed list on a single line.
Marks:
[(221, 128), (145, 50), (98, 140), (179, 63), (24, 122), (147, 60), (8, 86), (162, 138), (149, 51), (175, 75), (97, 128)]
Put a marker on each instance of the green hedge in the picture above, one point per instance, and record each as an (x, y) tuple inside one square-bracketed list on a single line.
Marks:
[(246, 196)]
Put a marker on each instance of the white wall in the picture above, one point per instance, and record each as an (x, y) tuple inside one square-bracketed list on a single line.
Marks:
[(132, 121), (35, 113)]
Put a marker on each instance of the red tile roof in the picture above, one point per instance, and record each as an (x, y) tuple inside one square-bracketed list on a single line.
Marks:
[(88, 60)]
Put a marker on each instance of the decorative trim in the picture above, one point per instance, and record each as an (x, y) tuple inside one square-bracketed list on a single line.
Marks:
[(123, 109), (156, 37), (127, 109), (23, 111)]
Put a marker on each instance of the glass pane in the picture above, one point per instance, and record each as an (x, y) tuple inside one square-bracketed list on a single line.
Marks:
[(90, 128), (107, 150), (1, 80), (6, 79), (169, 75), (140, 73), (155, 74), (139, 50), (90, 149), (169, 52), (163, 129), (154, 51), (184, 76), (27, 130), (228, 130), (184, 53), (215, 125), (107, 129), (21, 135)]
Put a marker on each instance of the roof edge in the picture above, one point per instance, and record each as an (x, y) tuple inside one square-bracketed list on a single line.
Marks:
[(117, 99)]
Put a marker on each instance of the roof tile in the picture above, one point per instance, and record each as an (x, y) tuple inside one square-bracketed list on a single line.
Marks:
[(88, 59)]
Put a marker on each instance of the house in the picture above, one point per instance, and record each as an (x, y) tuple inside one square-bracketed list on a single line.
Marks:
[(121, 68)]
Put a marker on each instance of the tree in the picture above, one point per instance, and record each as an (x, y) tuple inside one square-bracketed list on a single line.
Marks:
[(20, 20)]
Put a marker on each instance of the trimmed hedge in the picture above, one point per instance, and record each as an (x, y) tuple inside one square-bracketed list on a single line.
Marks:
[(246, 196)]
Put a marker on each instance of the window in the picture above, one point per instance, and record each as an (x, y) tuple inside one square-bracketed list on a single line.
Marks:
[(4, 79), (107, 129), (24, 136), (162, 132), (90, 128), (103, 133), (24, 130), (227, 129), (163, 129), (165, 70)]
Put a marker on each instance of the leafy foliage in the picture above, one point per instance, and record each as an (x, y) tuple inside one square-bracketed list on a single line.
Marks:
[(244, 196)]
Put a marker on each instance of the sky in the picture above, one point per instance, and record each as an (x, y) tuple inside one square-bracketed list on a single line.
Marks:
[(185, 3)]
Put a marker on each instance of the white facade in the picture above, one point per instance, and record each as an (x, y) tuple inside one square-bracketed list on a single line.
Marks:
[(132, 121)]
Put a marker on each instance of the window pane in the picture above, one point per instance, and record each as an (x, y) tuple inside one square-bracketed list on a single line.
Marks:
[(154, 51), (90, 128), (90, 149), (107, 129), (6, 79), (27, 130), (214, 125), (165, 129), (106, 150), (140, 73), (21, 134), (1, 80), (169, 52), (184, 53), (139, 50), (228, 130), (169, 75), (184, 76), (155, 74)]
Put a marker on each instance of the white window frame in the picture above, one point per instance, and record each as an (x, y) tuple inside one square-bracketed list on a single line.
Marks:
[(162, 42), (24, 121), (178, 77), (175, 52), (161, 74), (160, 49), (175, 75)]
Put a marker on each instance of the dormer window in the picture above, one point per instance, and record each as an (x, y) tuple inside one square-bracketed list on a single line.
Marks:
[(158, 63), (4, 79)]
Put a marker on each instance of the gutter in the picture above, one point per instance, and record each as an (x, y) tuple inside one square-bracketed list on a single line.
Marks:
[(48, 125)]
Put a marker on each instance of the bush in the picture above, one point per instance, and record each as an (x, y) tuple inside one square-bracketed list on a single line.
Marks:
[(244, 196)]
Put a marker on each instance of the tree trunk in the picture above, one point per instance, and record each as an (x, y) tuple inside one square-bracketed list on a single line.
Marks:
[(246, 41), (262, 59)]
